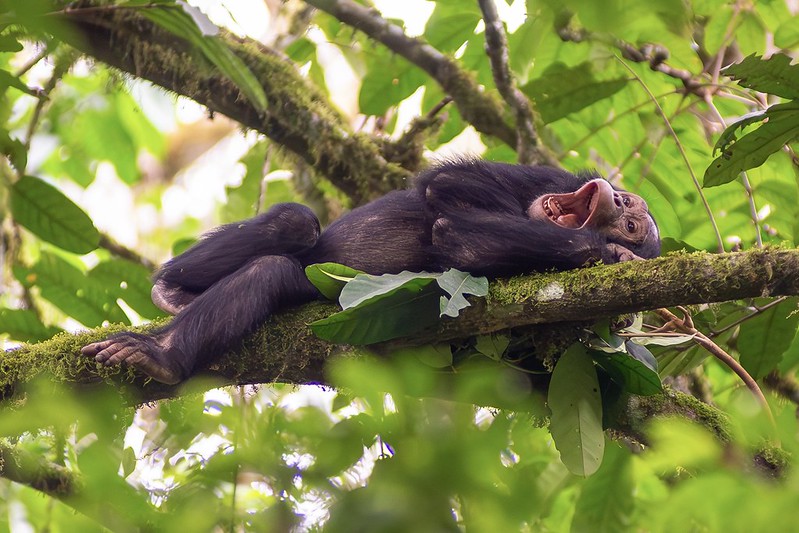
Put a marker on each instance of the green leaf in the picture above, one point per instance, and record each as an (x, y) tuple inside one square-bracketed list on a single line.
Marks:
[(365, 287), (787, 34), (24, 325), (774, 75), (492, 346), (9, 80), (179, 22), (330, 278), (128, 281), (576, 405), (637, 375), (432, 355), (563, 90), (9, 43), (406, 311), (607, 500), (14, 149), (389, 80), (451, 25), (754, 148), (50, 215), (765, 338), (458, 284), (70, 290)]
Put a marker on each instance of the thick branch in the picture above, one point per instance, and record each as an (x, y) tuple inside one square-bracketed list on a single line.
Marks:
[(475, 105), (297, 115), (285, 350)]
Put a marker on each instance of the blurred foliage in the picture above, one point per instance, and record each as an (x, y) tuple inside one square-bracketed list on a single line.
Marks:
[(399, 445)]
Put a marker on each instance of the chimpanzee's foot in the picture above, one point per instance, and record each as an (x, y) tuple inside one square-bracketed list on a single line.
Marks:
[(142, 352)]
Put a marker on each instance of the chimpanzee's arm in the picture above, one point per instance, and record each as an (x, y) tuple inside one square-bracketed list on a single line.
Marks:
[(498, 245), (493, 187)]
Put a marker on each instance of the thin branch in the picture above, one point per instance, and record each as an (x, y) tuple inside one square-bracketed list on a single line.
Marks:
[(117, 249), (753, 314), (528, 146), (685, 325), (475, 105)]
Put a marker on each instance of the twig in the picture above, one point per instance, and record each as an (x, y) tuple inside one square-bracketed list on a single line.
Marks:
[(528, 145), (753, 314), (685, 325), (126, 253)]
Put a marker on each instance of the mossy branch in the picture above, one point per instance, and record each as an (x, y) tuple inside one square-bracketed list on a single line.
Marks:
[(298, 116), (285, 350)]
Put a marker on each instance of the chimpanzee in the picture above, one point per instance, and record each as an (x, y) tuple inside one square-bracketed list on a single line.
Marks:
[(486, 218)]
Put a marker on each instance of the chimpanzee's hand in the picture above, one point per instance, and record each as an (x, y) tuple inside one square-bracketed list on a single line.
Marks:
[(616, 253)]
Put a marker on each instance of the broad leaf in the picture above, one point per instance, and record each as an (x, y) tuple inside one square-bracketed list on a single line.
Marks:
[(46, 212), (179, 21), (406, 311), (24, 325), (330, 278), (576, 405), (492, 346), (637, 375), (764, 339), (774, 75), (564, 90), (128, 281), (72, 291), (458, 284), (366, 286), (754, 148)]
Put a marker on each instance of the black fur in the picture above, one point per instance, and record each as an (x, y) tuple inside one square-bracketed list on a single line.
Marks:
[(471, 215)]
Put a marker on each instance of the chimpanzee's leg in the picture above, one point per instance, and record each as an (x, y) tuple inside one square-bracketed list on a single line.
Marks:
[(213, 323), (284, 229)]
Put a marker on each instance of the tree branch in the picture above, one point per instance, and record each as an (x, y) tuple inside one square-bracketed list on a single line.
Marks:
[(297, 115), (475, 105), (528, 147), (285, 350)]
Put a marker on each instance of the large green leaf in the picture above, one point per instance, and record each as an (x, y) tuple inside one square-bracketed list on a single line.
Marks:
[(637, 374), (330, 278), (754, 148), (406, 311), (607, 499), (459, 284), (389, 80), (764, 338), (46, 212), (69, 289), (576, 405), (365, 287), (451, 25), (563, 90), (128, 281), (24, 325), (179, 22), (775, 75)]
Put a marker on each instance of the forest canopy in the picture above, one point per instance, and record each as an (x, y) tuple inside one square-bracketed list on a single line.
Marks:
[(650, 395)]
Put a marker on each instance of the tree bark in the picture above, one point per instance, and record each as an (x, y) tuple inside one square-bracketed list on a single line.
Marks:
[(285, 350)]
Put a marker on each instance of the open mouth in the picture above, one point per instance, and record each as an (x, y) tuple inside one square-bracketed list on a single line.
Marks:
[(572, 210)]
